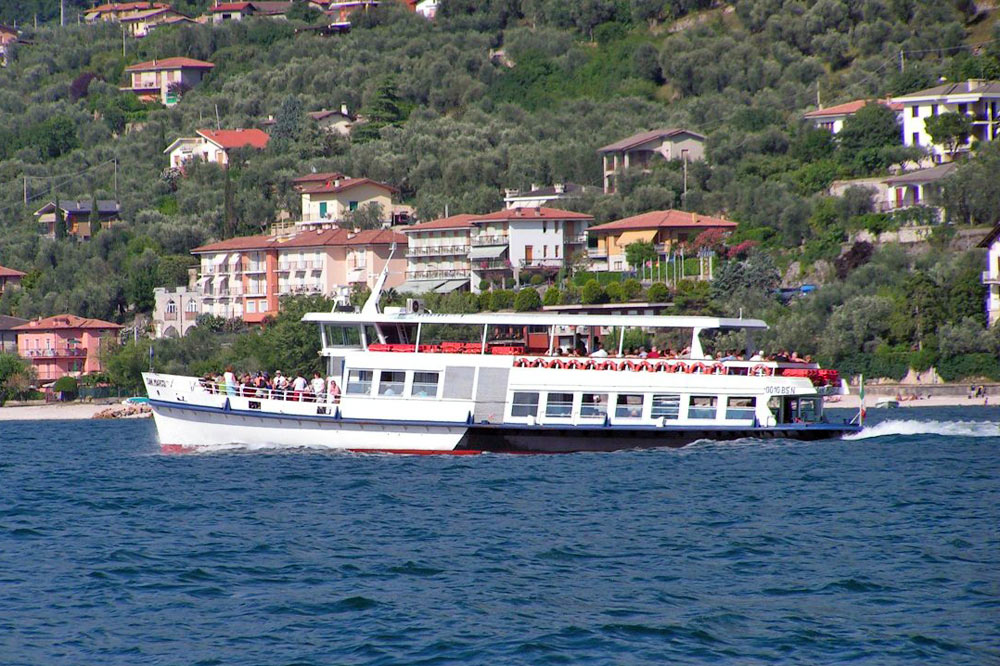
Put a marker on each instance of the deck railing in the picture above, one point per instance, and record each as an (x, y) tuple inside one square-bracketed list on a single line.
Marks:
[(264, 393)]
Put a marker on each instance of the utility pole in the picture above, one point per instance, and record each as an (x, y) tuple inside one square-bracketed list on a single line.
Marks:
[(218, 124), (902, 62), (116, 179), (123, 41), (819, 101), (62, 13), (25, 190)]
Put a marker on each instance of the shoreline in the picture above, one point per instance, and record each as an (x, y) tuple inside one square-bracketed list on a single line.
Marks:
[(58, 412), (853, 401)]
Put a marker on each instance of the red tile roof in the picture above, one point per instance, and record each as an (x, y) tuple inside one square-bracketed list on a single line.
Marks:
[(320, 238), (850, 108), (341, 185), (660, 219), (462, 221), (128, 6), (319, 177), (231, 7), (65, 321), (10, 272), (532, 213), (237, 138), (169, 63)]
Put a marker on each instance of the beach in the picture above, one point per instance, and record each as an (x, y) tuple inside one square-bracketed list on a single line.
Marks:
[(53, 412), (853, 401)]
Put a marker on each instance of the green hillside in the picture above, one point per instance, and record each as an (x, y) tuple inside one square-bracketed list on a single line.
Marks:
[(466, 125)]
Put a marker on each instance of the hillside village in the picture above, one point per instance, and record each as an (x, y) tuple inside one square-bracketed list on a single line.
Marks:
[(189, 183)]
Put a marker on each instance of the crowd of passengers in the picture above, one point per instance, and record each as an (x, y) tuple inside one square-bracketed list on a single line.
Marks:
[(685, 353), (280, 387)]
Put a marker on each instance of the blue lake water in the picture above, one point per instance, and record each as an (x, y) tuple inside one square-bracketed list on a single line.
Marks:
[(883, 549)]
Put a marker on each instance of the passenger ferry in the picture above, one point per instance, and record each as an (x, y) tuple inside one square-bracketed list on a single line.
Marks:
[(420, 382)]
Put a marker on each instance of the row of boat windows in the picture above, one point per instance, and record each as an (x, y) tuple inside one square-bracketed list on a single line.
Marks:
[(393, 383), (628, 405)]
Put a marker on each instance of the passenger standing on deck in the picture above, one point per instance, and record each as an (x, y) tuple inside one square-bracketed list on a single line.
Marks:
[(229, 378), (280, 385), (318, 385), (332, 390), (299, 386)]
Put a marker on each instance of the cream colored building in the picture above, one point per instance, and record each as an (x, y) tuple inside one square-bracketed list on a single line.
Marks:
[(640, 150), (327, 203)]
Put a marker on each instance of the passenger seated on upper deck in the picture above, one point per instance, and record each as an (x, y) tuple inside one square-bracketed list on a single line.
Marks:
[(759, 356), (599, 352), (653, 353)]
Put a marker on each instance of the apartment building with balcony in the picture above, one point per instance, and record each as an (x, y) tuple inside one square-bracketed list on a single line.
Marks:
[(976, 98), (245, 277), (516, 242), (166, 79), (832, 118), (991, 276), (666, 229), (437, 255), (64, 345), (640, 150)]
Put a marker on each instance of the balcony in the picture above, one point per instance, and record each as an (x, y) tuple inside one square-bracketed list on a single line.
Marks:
[(989, 277), (37, 355), (255, 268), (542, 263), (501, 239), (597, 252), (440, 273), (427, 251), (491, 265), (578, 239)]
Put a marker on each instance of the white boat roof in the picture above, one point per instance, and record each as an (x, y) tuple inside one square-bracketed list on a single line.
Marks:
[(532, 319)]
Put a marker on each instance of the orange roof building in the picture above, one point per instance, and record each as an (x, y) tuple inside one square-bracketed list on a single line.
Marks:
[(664, 228), (167, 79), (832, 117), (214, 145)]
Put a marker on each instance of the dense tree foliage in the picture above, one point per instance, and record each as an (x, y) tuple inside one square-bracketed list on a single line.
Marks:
[(494, 94)]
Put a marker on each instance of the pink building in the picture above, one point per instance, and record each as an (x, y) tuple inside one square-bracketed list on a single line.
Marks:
[(63, 345)]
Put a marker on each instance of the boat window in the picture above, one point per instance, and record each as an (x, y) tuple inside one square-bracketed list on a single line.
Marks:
[(391, 382), (809, 410), (594, 406), (739, 408), (559, 405), (629, 406), (524, 404), (666, 406), (702, 407), (359, 382), (425, 385)]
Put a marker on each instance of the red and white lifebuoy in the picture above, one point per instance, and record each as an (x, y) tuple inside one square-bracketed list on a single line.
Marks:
[(761, 370), (718, 369), (697, 368)]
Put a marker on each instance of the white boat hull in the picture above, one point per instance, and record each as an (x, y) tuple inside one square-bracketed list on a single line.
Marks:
[(192, 428)]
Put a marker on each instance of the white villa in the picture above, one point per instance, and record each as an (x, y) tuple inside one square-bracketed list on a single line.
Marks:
[(976, 98)]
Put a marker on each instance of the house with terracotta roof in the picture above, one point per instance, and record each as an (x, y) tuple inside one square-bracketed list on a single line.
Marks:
[(437, 255), (976, 98), (540, 195), (666, 229), (8, 36), (64, 345), (639, 150), (8, 336), (237, 11), (115, 12), (9, 278), (214, 145), (245, 277), (832, 118), (326, 203), (991, 276), (143, 23), (78, 216), (166, 80)]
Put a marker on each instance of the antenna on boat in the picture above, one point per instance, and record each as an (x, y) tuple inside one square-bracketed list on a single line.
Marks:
[(371, 305)]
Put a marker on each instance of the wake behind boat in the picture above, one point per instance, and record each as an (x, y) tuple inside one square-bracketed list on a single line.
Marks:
[(405, 390)]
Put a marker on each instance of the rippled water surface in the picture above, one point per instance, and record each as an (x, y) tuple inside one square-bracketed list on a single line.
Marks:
[(883, 549)]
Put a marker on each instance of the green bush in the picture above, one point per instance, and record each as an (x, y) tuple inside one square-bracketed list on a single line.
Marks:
[(632, 289), (923, 360), (968, 366), (537, 279), (67, 386), (615, 292), (486, 301), (503, 299), (552, 296), (658, 293), (593, 293), (527, 300)]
